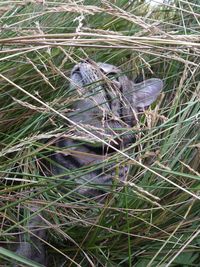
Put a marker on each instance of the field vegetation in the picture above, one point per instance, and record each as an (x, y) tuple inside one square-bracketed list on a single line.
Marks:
[(150, 220)]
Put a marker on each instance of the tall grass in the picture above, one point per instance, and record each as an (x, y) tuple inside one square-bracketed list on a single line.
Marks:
[(153, 218)]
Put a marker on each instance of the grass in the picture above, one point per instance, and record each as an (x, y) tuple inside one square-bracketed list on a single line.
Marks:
[(153, 218)]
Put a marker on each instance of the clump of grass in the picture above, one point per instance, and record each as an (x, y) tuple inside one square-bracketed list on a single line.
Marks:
[(153, 218)]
